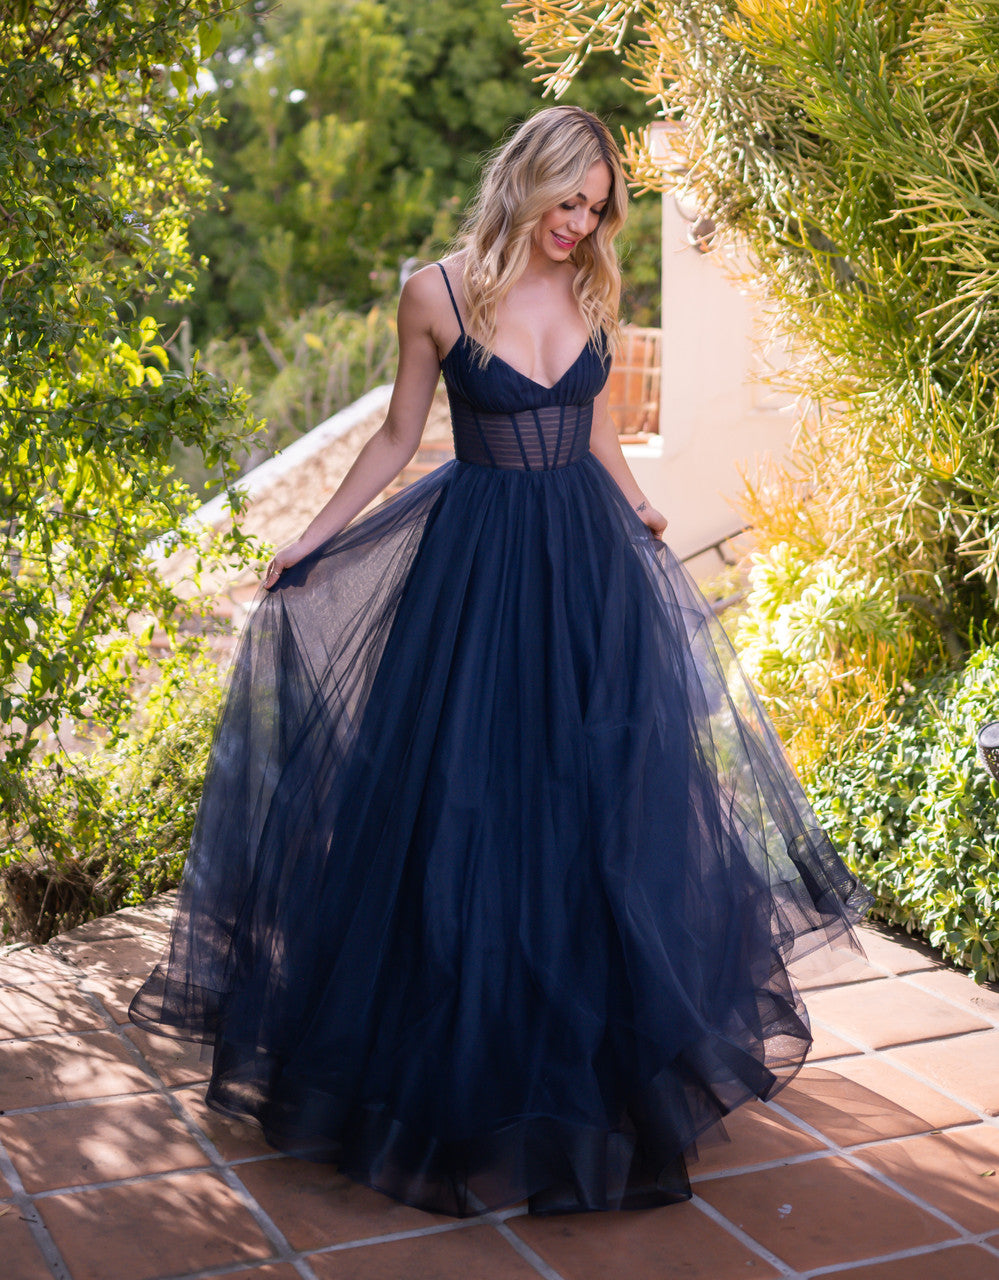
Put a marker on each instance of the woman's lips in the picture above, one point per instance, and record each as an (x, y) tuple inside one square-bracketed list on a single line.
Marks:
[(567, 244)]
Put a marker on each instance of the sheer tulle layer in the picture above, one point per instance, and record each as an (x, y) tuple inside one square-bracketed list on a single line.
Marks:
[(499, 864)]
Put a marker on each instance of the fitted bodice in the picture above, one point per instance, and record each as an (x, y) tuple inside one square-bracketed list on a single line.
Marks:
[(502, 418)]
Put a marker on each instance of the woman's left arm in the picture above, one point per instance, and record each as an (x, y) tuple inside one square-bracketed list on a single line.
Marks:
[(605, 444)]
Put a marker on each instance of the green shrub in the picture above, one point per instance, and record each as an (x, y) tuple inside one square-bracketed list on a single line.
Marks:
[(108, 829), (918, 815), (305, 368)]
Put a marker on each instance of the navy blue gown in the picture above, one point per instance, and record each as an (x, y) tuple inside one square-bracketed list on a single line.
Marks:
[(499, 864)]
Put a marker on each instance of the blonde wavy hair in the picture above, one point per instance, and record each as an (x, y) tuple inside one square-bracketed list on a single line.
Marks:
[(542, 164)]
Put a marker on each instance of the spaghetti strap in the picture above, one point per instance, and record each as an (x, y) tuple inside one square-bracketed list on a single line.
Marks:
[(450, 294)]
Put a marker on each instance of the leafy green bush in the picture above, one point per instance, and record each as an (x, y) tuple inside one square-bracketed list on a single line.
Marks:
[(96, 832), (918, 815), (102, 169), (302, 369)]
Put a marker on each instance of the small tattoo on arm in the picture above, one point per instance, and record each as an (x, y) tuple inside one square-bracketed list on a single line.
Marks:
[(641, 506)]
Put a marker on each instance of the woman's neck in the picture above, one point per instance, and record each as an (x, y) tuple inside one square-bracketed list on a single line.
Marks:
[(540, 269)]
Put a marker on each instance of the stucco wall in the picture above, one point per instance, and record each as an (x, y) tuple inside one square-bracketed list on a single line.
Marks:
[(716, 416)]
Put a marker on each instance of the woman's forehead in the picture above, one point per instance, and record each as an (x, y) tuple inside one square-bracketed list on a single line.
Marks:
[(596, 184)]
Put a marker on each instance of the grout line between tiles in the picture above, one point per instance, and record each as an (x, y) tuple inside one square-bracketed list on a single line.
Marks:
[(779, 1162), (937, 1131), (262, 1157), (853, 1039), (881, 1055), (411, 1233), (60, 971), (745, 1239), (248, 1265), (912, 980), (132, 1180), (882, 970), (29, 1214), (878, 970), (825, 1025), (901, 1255), (83, 1034), (847, 1154), (514, 1211), (527, 1253), (70, 1104)]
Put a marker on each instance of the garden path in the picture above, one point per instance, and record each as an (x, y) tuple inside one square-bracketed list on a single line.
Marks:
[(879, 1162)]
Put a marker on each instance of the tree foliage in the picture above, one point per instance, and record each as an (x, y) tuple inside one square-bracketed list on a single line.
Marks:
[(352, 136), (101, 167)]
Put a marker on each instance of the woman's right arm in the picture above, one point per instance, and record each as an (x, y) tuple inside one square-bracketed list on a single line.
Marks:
[(395, 441)]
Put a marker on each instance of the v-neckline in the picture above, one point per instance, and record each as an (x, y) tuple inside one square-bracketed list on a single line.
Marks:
[(467, 339)]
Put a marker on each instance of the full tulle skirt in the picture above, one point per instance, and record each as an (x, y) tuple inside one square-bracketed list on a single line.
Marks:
[(499, 865)]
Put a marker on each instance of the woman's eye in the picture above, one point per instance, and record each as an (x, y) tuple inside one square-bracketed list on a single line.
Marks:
[(569, 207)]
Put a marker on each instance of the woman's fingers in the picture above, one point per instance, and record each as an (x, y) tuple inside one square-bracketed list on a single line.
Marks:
[(655, 522), (281, 560)]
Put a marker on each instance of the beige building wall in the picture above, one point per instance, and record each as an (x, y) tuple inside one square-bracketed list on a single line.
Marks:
[(716, 415)]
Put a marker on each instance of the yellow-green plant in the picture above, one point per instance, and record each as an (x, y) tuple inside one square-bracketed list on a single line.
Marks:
[(814, 635)]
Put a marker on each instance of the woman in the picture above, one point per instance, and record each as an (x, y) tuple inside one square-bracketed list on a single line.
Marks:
[(499, 863)]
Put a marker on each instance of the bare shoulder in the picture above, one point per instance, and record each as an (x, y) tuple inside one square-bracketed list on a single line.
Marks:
[(428, 283), (454, 265), (418, 291), (423, 296), (424, 302)]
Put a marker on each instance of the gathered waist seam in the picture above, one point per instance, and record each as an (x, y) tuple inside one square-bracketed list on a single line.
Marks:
[(530, 471)]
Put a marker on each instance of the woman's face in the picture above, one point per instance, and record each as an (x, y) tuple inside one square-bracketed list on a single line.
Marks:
[(560, 229)]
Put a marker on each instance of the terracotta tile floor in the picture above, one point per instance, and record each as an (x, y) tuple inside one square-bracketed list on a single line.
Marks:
[(880, 1161)]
